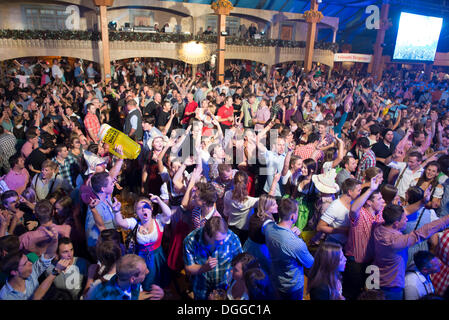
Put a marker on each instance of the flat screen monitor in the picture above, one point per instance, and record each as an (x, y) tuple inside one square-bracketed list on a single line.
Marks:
[(417, 37)]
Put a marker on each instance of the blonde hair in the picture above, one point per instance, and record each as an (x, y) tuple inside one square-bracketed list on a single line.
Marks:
[(265, 202)]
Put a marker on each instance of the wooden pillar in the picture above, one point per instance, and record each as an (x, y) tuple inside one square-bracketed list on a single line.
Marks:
[(428, 70), (334, 38), (378, 49), (312, 18), (221, 47), (106, 57)]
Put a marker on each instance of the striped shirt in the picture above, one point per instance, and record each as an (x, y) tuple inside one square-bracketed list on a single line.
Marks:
[(360, 243), (198, 221), (289, 255)]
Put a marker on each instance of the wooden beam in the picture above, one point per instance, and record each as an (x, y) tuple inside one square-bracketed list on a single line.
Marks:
[(221, 47), (311, 35), (106, 63)]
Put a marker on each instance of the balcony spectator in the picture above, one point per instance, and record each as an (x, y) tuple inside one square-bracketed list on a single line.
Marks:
[(252, 30), (208, 31)]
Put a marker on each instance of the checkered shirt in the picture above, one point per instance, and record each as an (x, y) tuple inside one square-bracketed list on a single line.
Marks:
[(308, 151), (368, 160), (440, 280), (66, 169), (197, 252), (92, 124)]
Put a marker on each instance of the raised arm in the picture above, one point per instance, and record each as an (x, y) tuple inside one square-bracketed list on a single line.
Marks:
[(166, 211), (115, 170), (341, 152), (360, 201), (116, 206)]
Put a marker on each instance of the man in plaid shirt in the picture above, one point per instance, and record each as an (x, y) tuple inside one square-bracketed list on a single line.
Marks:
[(92, 123), (368, 159), (67, 164), (440, 280), (208, 252)]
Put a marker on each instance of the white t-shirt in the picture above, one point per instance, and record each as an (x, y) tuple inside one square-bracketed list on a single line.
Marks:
[(56, 72), (417, 286), (337, 215), (238, 213)]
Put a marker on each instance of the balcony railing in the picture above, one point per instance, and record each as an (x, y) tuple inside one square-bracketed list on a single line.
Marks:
[(157, 38)]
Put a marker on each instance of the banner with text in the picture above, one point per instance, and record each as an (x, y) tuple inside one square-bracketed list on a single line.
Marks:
[(352, 57)]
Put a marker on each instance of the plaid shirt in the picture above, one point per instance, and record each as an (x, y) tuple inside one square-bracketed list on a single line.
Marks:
[(440, 280), (368, 160), (7, 149), (197, 252), (360, 243), (92, 124), (308, 151), (66, 169)]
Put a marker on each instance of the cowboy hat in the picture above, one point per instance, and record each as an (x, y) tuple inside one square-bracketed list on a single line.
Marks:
[(93, 161), (325, 182)]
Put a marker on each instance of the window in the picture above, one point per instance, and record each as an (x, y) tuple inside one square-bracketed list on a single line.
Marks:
[(138, 17), (232, 24), (44, 17)]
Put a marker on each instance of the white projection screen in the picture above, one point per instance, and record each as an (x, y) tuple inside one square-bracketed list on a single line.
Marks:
[(417, 37)]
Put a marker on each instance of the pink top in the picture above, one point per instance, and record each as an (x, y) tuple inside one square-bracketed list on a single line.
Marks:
[(29, 239), (17, 181), (391, 250), (360, 243), (27, 148)]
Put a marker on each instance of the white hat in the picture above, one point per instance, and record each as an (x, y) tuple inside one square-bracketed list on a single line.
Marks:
[(93, 161), (325, 182), (150, 141)]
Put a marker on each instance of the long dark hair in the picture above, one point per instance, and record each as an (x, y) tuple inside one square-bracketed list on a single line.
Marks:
[(325, 269), (311, 166), (434, 183)]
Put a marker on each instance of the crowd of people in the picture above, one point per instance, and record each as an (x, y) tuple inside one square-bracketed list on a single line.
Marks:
[(275, 184)]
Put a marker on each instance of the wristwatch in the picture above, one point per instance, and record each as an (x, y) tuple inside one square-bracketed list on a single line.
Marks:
[(55, 272)]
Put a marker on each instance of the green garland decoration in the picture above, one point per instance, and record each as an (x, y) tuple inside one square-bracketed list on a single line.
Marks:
[(157, 38)]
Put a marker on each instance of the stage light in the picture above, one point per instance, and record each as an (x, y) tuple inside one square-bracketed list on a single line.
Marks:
[(194, 52), (112, 26)]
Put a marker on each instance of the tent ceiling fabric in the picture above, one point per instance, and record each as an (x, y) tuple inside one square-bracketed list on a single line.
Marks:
[(352, 16)]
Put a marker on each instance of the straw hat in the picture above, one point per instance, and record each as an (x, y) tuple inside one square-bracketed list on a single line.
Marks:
[(325, 182), (93, 161)]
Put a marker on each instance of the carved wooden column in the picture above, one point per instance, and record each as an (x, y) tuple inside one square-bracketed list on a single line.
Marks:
[(106, 61), (222, 9), (384, 25), (313, 16)]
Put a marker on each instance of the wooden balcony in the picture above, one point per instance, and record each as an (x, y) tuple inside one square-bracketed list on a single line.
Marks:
[(269, 52)]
